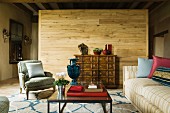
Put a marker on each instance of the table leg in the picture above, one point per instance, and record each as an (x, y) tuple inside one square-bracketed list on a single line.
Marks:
[(111, 107), (48, 107), (63, 107), (104, 107), (59, 108)]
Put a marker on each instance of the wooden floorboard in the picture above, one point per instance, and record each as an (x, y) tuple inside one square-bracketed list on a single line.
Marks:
[(9, 87)]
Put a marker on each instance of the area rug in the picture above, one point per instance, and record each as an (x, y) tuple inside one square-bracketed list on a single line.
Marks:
[(19, 104)]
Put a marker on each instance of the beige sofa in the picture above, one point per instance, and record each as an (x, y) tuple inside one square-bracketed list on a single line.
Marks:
[(145, 94)]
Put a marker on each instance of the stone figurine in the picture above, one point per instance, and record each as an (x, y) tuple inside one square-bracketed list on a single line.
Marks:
[(83, 49)]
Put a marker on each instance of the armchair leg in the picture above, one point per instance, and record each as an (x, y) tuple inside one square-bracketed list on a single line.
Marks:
[(54, 88), (27, 91), (20, 90)]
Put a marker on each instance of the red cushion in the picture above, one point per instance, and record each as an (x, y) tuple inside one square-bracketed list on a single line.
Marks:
[(159, 61)]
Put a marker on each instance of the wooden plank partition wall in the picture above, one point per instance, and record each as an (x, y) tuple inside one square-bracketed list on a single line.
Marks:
[(61, 31)]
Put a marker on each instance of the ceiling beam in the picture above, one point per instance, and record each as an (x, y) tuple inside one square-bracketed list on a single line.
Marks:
[(47, 6), (30, 8), (57, 1), (23, 8), (40, 6), (54, 5), (34, 6), (147, 5), (134, 5)]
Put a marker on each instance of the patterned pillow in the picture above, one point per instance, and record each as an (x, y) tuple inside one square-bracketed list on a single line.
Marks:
[(159, 61), (162, 75)]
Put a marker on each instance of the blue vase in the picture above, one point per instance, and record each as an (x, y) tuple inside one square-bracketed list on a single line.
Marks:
[(73, 70)]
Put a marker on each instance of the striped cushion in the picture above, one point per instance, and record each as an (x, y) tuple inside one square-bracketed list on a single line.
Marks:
[(158, 96), (162, 75)]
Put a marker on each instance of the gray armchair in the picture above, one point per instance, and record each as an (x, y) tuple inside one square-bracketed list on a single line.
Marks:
[(33, 83)]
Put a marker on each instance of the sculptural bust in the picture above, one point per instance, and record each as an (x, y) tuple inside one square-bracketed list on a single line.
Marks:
[(83, 49)]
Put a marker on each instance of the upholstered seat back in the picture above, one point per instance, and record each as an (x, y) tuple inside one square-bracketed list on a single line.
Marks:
[(22, 66)]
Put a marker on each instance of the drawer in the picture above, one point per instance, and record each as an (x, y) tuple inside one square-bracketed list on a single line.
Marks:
[(95, 73), (104, 80), (103, 59), (94, 59), (103, 73), (87, 59), (111, 80), (111, 59), (88, 79), (87, 73), (111, 66), (87, 66), (103, 66), (94, 66), (111, 73)]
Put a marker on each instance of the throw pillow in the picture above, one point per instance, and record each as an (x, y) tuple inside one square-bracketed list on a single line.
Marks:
[(162, 75), (159, 61), (35, 70), (144, 67)]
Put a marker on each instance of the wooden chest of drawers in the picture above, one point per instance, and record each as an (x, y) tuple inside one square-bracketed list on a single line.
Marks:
[(97, 68)]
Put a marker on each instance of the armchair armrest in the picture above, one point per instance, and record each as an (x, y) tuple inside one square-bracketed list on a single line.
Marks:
[(48, 74), (22, 80)]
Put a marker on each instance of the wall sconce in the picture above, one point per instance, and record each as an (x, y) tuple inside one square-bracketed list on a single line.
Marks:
[(27, 40), (5, 34)]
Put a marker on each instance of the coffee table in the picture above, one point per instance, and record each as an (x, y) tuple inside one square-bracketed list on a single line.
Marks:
[(68, 99)]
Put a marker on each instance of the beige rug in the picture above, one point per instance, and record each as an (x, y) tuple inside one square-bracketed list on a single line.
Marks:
[(19, 104)]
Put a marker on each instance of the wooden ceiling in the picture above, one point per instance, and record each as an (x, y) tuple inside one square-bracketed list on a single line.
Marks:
[(32, 6)]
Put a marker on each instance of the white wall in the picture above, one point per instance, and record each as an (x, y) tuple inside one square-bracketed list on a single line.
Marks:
[(7, 12)]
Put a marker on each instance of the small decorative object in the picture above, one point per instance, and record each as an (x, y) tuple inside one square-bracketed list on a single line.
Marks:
[(108, 49), (73, 70), (61, 83), (5, 35), (27, 40), (83, 49), (105, 50), (97, 51)]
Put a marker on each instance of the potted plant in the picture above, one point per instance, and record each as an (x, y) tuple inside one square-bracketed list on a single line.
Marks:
[(97, 51)]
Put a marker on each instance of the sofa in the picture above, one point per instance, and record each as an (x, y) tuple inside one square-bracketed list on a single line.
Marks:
[(4, 104), (147, 95)]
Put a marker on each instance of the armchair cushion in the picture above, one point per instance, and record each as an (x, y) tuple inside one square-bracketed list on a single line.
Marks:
[(39, 82), (35, 70)]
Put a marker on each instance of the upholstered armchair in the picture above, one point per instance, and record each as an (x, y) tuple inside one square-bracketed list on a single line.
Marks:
[(32, 76)]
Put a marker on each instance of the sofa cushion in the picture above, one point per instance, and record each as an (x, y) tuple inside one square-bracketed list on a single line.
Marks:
[(159, 96), (159, 61), (137, 84), (162, 75), (144, 67)]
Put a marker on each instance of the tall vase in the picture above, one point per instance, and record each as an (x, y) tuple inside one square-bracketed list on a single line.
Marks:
[(73, 70)]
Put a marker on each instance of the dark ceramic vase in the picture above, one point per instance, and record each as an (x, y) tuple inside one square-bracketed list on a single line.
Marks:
[(73, 70)]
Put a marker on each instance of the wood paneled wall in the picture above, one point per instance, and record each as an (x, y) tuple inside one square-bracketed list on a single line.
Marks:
[(61, 31)]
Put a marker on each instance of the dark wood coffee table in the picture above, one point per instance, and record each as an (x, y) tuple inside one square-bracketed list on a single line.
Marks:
[(68, 99)]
